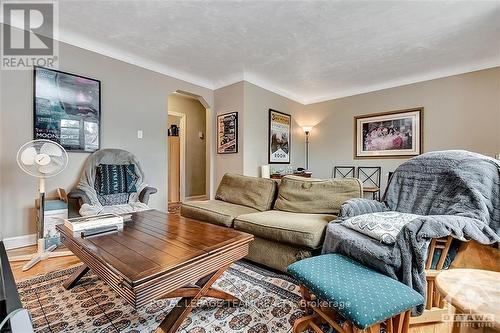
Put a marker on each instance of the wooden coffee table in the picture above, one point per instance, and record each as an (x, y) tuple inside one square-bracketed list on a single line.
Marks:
[(157, 256)]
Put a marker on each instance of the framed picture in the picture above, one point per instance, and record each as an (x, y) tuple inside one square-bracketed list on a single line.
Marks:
[(227, 133), (389, 134), (67, 109), (280, 129)]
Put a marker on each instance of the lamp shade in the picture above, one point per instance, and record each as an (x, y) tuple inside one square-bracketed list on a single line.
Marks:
[(307, 129)]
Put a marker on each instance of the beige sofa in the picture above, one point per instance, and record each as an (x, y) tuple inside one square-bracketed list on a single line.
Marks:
[(288, 222)]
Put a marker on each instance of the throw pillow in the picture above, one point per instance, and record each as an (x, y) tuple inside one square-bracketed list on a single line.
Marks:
[(115, 178), (383, 227), (113, 199)]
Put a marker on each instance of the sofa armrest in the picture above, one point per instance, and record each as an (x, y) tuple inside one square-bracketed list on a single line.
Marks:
[(360, 206), (145, 193), (79, 195)]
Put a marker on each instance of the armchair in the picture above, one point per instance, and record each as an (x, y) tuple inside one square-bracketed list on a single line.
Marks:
[(453, 195), (97, 196)]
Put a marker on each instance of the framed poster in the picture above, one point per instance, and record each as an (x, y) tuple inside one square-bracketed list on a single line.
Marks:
[(280, 128), (227, 133), (67, 109), (389, 134)]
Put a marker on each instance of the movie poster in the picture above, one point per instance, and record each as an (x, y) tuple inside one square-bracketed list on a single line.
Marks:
[(67, 109), (279, 137), (227, 133)]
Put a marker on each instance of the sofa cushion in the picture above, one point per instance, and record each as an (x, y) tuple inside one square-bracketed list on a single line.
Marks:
[(258, 193), (302, 195), (214, 211), (303, 230)]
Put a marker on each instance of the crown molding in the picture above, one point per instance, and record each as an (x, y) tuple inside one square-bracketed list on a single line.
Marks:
[(250, 78), (82, 42), (255, 80), (492, 63)]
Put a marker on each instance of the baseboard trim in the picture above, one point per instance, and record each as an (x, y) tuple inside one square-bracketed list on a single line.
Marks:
[(197, 197), (19, 241)]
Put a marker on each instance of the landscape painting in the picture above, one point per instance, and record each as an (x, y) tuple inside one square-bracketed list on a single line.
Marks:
[(389, 134)]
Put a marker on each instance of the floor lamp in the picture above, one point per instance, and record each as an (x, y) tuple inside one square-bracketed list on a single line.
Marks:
[(307, 131)]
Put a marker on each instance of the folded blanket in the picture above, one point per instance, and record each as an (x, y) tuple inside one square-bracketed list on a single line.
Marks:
[(456, 192)]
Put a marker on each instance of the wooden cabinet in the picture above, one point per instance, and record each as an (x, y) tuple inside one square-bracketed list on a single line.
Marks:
[(174, 169)]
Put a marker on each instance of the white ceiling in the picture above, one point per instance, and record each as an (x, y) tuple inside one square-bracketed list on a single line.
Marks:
[(305, 50)]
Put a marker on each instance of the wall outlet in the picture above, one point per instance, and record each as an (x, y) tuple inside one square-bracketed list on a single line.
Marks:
[(497, 156), (139, 134)]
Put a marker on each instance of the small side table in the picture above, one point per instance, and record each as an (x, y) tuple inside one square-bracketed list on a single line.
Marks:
[(472, 291)]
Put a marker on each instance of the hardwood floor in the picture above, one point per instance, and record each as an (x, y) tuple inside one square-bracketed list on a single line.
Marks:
[(46, 266)]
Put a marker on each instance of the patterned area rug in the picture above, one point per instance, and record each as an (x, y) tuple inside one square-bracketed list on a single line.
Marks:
[(270, 305)]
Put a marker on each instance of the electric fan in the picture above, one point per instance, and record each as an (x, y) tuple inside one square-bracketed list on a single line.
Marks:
[(42, 159)]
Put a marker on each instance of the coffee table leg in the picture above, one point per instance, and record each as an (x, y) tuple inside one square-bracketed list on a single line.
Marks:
[(75, 277), (180, 312)]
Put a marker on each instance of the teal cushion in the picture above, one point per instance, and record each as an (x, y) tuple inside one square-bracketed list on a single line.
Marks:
[(115, 179), (360, 294)]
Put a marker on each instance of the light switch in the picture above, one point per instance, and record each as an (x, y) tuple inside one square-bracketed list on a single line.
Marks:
[(139, 134)]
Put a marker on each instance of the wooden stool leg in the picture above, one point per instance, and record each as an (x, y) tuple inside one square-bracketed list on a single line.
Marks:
[(406, 323), (301, 324), (389, 326)]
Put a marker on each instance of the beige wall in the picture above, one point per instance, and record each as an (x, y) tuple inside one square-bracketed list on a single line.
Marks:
[(252, 104), (460, 112), (257, 103), (195, 159), (132, 98), (229, 99)]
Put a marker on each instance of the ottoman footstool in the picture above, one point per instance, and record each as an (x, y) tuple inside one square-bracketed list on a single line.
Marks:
[(335, 287)]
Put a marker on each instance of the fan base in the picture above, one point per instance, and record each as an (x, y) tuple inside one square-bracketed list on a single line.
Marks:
[(41, 254)]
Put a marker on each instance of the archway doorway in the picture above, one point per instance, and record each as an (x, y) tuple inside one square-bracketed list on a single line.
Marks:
[(188, 171)]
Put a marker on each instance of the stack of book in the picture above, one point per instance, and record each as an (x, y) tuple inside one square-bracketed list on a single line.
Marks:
[(92, 222)]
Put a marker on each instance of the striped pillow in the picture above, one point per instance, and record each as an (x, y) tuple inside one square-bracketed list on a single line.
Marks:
[(115, 178)]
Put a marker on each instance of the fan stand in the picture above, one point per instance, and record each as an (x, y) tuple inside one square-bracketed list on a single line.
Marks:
[(42, 252)]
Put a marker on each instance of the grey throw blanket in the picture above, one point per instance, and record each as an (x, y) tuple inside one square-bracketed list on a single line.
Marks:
[(458, 191)]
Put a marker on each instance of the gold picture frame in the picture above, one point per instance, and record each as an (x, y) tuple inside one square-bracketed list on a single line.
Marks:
[(393, 134)]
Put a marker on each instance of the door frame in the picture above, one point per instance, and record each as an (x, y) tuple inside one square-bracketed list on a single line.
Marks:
[(182, 139)]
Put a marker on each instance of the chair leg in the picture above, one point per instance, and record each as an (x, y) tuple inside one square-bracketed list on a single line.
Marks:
[(301, 324), (430, 294)]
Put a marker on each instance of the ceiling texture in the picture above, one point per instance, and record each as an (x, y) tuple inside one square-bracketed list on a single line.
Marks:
[(308, 51)]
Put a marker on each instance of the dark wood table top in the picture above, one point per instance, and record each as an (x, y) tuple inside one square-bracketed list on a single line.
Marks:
[(154, 243)]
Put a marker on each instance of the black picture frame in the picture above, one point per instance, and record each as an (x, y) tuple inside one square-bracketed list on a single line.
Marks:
[(222, 132), (283, 116), (86, 112)]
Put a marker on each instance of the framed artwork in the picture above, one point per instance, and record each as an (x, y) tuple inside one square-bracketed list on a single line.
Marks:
[(389, 134), (280, 130), (67, 109), (227, 133)]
